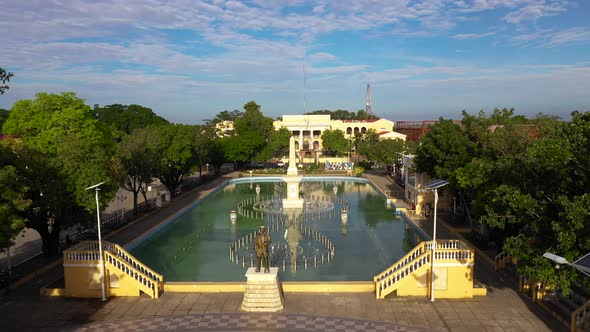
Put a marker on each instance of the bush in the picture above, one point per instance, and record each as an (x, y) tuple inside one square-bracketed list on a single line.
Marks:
[(366, 164), (358, 171), (313, 167)]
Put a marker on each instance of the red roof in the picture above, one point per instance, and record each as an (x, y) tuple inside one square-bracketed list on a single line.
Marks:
[(369, 120)]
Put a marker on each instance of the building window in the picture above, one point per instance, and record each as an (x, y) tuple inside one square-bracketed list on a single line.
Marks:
[(296, 145), (317, 133), (296, 133), (412, 177), (363, 130), (348, 131), (306, 145), (356, 130), (316, 145)]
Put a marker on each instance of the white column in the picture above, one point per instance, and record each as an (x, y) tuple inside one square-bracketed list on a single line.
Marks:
[(300, 144)]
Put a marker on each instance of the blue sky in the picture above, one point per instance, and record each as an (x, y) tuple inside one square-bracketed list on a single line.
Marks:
[(189, 60)]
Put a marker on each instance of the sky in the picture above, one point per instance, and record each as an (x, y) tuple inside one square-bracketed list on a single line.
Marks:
[(189, 60)]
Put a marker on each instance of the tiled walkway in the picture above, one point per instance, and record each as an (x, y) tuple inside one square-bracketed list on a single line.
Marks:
[(502, 310), (246, 322)]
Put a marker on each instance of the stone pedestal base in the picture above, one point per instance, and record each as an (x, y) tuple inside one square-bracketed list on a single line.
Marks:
[(262, 291)]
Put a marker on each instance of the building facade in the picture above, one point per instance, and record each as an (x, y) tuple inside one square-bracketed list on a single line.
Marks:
[(420, 201), (308, 130)]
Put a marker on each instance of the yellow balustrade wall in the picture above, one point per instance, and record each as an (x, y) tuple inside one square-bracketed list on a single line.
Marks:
[(82, 272), (454, 262)]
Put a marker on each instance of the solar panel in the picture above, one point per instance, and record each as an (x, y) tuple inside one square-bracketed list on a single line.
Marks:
[(434, 184), (584, 263)]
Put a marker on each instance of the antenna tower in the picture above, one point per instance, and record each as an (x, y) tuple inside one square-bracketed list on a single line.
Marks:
[(368, 110), (304, 85)]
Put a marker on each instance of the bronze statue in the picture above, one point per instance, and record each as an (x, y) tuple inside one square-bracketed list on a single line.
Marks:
[(261, 245)]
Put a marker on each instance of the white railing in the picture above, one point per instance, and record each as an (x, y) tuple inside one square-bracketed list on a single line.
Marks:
[(391, 282), (92, 245), (147, 284), (453, 255), (579, 317), (81, 256), (446, 244), (417, 251), (149, 281), (387, 281), (136, 264)]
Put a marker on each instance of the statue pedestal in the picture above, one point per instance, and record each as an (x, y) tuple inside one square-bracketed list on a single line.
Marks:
[(293, 201), (262, 291)]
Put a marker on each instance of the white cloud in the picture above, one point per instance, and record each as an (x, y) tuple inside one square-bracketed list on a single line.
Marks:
[(128, 52), (567, 36), (551, 38), (463, 36), (321, 57), (534, 11)]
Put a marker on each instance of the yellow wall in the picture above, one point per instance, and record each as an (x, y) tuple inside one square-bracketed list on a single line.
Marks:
[(453, 282), (328, 287), (121, 284), (82, 280), (204, 287)]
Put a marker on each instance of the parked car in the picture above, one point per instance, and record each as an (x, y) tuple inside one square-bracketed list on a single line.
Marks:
[(280, 164)]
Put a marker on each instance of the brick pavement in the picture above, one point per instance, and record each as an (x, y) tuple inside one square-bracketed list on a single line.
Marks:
[(502, 310)]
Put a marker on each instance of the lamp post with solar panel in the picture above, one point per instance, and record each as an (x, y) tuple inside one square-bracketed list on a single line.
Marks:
[(96, 189), (433, 186), (582, 264)]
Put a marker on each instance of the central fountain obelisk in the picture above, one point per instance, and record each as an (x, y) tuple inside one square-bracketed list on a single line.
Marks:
[(293, 201)]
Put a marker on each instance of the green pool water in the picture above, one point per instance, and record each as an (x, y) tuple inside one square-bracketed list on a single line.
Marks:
[(201, 244)]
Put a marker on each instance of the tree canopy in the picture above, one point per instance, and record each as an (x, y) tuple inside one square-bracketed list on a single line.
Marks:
[(65, 151), (383, 151), (13, 201), (528, 180), (343, 114), (4, 77), (123, 119), (335, 143), (173, 146)]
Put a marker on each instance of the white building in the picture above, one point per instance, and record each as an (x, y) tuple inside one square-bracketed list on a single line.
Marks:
[(308, 130)]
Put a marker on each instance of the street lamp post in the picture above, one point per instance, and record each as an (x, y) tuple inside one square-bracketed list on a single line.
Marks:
[(433, 186), (582, 264), (96, 188)]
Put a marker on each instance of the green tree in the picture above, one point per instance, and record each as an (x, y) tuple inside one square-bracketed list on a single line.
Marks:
[(278, 143), (444, 149), (4, 77), (137, 164), (204, 145), (224, 116), (529, 181), (252, 130), (243, 147), (174, 147), (382, 151), (13, 200), (334, 143), (77, 152), (3, 117), (123, 119), (253, 121)]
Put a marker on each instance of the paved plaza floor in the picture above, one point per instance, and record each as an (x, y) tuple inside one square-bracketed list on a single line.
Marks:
[(503, 309)]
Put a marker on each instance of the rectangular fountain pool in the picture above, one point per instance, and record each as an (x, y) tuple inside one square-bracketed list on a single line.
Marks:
[(202, 244)]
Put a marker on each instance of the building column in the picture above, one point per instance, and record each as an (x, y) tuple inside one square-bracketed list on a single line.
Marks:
[(300, 145)]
